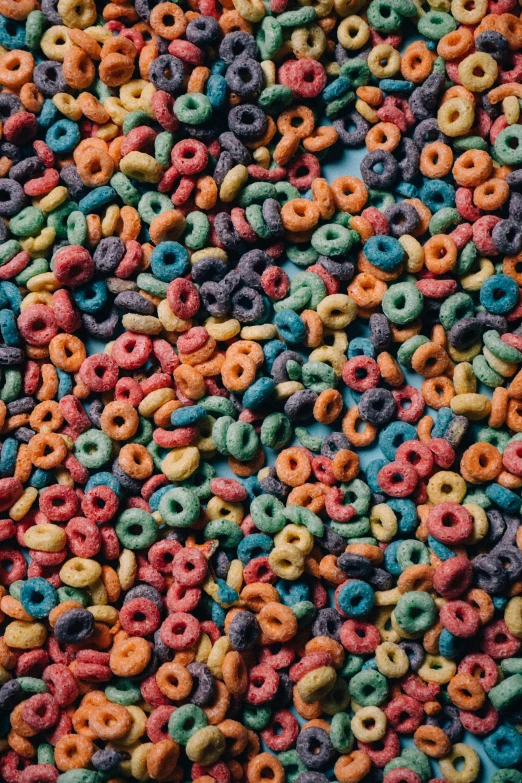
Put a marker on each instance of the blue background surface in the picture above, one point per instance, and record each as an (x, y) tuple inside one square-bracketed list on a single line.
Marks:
[(348, 163)]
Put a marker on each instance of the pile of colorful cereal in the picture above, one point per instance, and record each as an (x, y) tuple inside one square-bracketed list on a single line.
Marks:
[(203, 574)]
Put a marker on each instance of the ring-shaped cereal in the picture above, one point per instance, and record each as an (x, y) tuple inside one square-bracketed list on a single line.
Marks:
[(350, 194)]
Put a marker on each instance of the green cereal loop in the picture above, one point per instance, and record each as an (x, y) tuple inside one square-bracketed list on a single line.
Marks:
[(27, 222), (507, 693), (298, 18), (292, 764), (92, 448), (152, 204), (497, 438), (436, 24), (508, 145), (163, 144), (335, 107), (199, 481), (77, 228), (157, 454), (455, 308), (37, 267), (34, 29), (45, 752), (507, 775), (242, 440), (310, 442), (255, 717), (305, 612), (380, 199), (297, 301), (465, 143), (352, 664), (357, 70), (15, 589), (338, 698), (269, 38), (185, 722), (486, 374), (302, 256), (276, 98), (418, 761), (368, 688), (412, 552), (299, 515), (439, 66), (511, 666), (254, 216), (134, 119), (79, 776), (123, 691), (227, 533), (443, 220), (342, 219), (502, 350), (125, 189), (143, 434), (408, 348), (257, 191), (219, 434), (99, 88), (11, 386), (196, 231), (341, 735), (415, 612), (129, 521), (466, 258), (276, 431), (405, 7), (318, 376), (194, 108), (57, 219), (284, 192), (267, 514), (152, 285), (8, 250), (293, 370), (479, 497), (179, 507), (352, 529), (357, 494), (221, 406), (32, 685), (313, 283), (382, 18), (66, 593)]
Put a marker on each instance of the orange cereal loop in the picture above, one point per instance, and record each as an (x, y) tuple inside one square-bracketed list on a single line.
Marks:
[(436, 160), (323, 197), (438, 335), (481, 462), (31, 97), (440, 254), (350, 194), (147, 56), (265, 768), (363, 265), (235, 673), (490, 195), (85, 42), (328, 570), (92, 108), (249, 468), (458, 91), (47, 450), (16, 68), (299, 121), (472, 168), (466, 692), (167, 227), (136, 461), (293, 466), (18, 10), (130, 657), (372, 95), (300, 214), (314, 328), (401, 333), (46, 416), (359, 433), (119, 420), (129, 224), (499, 403), (367, 291), (218, 707), (424, 216), (363, 227), (78, 68), (345, 465), (429, 360), (306, 711), (93, 230), (118, 45), (432, 741), (456, 44), (190, 382), (277, 621), (417, 62), (231, 21), (328, 406), (438, 392), (21, 745), (116, 69), (269, 134), (390, 370), (111, 583), (162, 759), (110, 721), (352, 767), (206, 193), (416, 577), (73, 751), (238, 373), (383, 136), (95, 167), (174, 681), (310, 496), (321, 138), (481, 602)]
